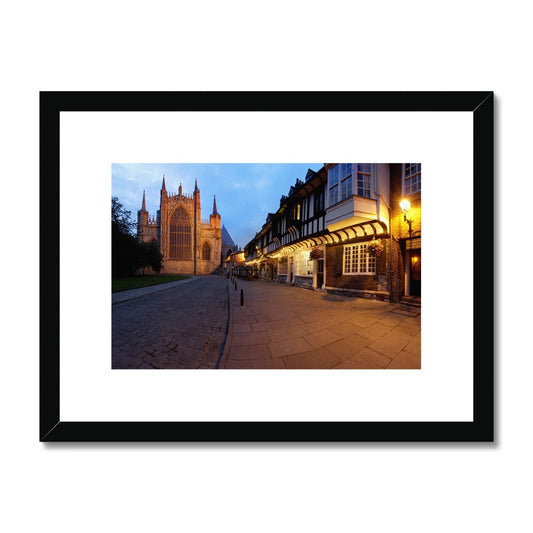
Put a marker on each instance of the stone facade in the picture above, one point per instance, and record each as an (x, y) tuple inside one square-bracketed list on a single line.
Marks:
[(189, 245)]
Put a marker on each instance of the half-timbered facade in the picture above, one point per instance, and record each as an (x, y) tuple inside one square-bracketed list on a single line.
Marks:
[(340, 230)]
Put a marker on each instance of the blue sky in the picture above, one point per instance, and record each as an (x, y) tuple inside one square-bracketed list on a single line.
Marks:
[(245, 193)]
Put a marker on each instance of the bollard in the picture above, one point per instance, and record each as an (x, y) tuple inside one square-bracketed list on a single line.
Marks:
[(235, 284), (242, 297)]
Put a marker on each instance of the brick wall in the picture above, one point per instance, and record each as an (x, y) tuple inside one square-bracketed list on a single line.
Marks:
[(335, 277)]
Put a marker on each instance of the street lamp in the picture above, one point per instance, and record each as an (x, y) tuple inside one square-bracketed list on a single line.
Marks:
[(406, 205)]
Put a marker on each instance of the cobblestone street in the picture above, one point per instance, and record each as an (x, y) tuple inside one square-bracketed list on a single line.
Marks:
[(182, 326)]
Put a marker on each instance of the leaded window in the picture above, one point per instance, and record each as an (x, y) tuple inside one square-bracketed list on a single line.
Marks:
[(303, 266), (357, 260), (180, 235)]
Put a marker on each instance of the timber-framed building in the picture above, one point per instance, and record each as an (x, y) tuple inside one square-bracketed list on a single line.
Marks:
[(341, 229)]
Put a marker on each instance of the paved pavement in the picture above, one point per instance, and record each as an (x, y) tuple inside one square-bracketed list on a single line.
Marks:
[(281, 326), (187, 324), (180, 324)]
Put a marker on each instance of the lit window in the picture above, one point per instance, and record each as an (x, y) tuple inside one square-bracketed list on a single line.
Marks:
[(357, 260), (363, 180), (303, 266), (412, 173)]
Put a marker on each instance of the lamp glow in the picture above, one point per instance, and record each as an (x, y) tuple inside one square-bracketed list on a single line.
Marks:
[(405, 205)]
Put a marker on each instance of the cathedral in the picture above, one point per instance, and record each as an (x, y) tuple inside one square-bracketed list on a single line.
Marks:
[(189, 245)]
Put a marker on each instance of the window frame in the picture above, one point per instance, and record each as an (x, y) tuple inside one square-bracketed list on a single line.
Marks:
[(340, 182), (362, 257), (364, 176), (413, 175), (178, 239)]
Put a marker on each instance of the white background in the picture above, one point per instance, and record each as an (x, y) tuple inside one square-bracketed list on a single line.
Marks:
[(441, 391), (273, 46)]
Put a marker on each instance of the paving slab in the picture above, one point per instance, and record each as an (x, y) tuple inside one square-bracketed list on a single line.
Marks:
[(259, 351), (405, 360), (375, 331), (286, 333), (289, 347), (414, 345), (348, 347), (363, 320), (391, 344), (317, 359), (256, 364), (312, 330), (357, 365), (322, 338), (371, 358), (251, 338)]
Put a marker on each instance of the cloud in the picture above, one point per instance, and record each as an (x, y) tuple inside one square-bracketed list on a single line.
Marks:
[(245, 193)]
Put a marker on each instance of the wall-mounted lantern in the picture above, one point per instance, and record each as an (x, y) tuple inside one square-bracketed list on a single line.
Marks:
[(406, 205)]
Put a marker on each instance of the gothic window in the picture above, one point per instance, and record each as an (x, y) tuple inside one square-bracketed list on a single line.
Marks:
[(180, 235), (206, 251)]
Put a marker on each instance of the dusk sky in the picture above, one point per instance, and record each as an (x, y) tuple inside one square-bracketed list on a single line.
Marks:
[(245, 193)]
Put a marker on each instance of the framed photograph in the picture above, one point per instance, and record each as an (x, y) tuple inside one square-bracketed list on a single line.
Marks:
[(207, 276)]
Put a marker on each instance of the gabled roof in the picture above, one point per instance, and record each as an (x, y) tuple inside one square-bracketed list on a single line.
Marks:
[(310, 174)]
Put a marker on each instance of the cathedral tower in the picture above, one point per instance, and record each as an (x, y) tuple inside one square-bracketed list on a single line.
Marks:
[(188, 245)]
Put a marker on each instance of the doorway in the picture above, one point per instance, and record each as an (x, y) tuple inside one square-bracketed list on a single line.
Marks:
[(291, 269), (416, 273), (320, 273)]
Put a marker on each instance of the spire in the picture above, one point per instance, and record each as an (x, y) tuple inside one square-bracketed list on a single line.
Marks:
[(143, 208), (195, 184), (163, 188), (214, 205), (180, 190)]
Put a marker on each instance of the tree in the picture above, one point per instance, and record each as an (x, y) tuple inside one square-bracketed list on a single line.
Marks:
[(123, 244), (149, 256), (128, 254), (121, 218)]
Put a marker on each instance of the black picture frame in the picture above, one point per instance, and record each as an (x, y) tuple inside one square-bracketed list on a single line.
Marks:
[(480, 429)]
